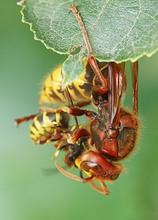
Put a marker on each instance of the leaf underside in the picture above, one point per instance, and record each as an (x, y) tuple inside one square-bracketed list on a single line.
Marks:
[(71, 69), (118, 30)]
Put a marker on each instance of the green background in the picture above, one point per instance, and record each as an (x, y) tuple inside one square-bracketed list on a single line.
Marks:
[(27, 194)]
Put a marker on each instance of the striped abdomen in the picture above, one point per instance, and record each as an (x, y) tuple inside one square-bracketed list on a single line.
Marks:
[(80, 89), (48, 126)]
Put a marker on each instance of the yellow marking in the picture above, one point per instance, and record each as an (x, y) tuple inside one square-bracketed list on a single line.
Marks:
[(44, 98), (81, 91), (78, 164), (58, 117), (34, 130), (46, 119), (52, 85), (50, 124), (32, 136), (81, 94), (56, 82), (48, 109), (37, 123), (49, 129)]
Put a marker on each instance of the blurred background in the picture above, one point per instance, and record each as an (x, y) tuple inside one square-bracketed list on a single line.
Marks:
[(27, 194)]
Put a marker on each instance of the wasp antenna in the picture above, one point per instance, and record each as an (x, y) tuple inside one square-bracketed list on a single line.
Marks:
[(67, 174), (103, 188), (51, 171)]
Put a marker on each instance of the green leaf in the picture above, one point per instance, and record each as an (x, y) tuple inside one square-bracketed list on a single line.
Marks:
[(72, 69), (118, 30)]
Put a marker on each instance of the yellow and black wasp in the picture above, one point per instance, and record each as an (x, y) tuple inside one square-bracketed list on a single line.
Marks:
[(48, 125), (80, 90)]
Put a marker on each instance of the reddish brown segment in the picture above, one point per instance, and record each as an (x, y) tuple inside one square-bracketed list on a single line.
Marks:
[(23, 119), (112, 128), (134, 72)]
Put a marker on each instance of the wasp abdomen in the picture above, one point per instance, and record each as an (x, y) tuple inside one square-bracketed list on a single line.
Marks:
[(80, 89), (48, 126)]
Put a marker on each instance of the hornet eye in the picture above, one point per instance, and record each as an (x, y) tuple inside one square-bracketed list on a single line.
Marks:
[(91, 167)]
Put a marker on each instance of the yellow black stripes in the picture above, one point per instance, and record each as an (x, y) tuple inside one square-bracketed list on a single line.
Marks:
[(52, 91), (48, 126), (80, 89)]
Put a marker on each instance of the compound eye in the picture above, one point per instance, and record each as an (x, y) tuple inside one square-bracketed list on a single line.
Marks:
[(92, 168)]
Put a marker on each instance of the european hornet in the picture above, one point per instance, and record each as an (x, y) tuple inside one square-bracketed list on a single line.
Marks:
[(113, 129), (111, 135)]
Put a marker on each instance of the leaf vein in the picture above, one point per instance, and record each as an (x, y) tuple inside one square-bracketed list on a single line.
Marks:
[(99, 15), (130, 30)]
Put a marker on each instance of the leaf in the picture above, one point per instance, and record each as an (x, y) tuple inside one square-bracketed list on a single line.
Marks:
[(72, 69), (118, 30)]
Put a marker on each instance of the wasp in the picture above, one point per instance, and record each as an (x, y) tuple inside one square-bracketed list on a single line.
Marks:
[(80, 90), (48, 125)]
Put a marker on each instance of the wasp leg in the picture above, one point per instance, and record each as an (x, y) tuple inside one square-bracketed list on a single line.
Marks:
[(82, 104), (49, 109), (134, 72), (23, 119), (93, 63), (78, 112), (104, 190), (91, 59), (81, 132), (116, 86)]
